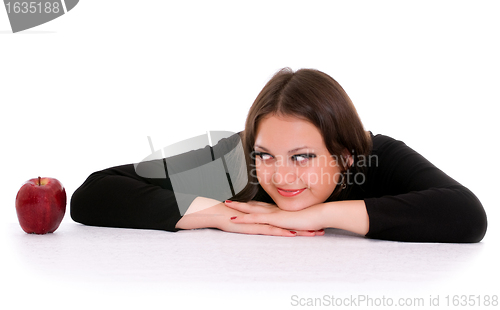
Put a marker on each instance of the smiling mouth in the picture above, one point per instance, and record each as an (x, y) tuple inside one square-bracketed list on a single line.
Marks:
[(290, 192)]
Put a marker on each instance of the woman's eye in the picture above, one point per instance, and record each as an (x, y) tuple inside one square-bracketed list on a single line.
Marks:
[(264, 156), (302, 158)]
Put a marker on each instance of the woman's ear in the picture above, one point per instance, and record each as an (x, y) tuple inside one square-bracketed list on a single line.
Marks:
[(348, 159)]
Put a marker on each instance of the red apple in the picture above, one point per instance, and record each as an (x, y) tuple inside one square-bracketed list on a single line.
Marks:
[(40, 205)]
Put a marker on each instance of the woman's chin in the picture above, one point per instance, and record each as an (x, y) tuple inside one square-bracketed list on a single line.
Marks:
[(288, 206)]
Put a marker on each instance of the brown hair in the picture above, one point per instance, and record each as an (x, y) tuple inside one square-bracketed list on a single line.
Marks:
[(313, 96)]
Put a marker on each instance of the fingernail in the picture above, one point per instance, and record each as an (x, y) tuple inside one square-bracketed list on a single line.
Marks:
[(293, 232), (311, 231), (233, 217), (321, 230), (228, 201)]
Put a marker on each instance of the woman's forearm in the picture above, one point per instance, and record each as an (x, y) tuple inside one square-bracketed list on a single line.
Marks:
[(349, 215), (201, 213)]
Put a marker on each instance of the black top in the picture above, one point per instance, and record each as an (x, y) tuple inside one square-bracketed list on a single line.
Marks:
[(407, 199)]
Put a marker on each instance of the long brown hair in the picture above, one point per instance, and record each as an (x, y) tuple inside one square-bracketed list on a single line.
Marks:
[(313, 96)]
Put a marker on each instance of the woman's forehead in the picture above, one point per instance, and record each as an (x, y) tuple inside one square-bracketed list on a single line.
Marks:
[(287, 133)]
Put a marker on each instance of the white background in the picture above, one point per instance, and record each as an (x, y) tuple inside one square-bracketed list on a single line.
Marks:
[(83, 92)]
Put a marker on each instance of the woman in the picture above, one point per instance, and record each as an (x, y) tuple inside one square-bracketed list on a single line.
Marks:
[(311, 166)]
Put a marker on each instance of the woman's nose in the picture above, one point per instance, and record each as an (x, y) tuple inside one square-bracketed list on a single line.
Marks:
[(284, 173)]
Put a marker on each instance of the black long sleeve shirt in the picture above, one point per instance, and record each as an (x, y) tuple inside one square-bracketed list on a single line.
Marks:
[(407, 199)]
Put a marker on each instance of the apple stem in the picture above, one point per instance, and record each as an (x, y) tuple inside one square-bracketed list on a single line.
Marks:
[(39, 181)]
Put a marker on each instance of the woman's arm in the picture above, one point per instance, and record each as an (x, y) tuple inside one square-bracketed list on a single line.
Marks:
[(409, 199), (349, 215), (118, 197), (144, 195), (405, 198)]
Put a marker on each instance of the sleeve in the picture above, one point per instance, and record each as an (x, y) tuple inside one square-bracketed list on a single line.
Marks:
[(118, 197), (415, 201), (155, 193)]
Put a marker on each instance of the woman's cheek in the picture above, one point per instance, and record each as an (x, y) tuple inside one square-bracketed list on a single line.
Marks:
[(263, 176), (310, 177), (320, 184)]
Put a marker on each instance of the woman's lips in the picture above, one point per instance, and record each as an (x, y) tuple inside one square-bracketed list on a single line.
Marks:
[(290, 192)]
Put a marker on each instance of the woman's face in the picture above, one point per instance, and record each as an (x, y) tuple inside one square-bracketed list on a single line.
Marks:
[(293, 164)]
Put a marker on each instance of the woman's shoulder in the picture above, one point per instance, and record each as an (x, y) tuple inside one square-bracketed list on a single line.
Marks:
[(382, 142), (395, 160), (388, 153)]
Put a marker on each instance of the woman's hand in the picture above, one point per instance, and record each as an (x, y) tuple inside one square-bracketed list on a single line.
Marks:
[(255, 212), (218, 215), (348, 215)]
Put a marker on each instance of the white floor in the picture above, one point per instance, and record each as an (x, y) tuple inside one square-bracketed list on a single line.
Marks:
[(86, 267)]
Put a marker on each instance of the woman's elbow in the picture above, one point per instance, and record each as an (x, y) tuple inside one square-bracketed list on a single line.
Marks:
[(83, 200), (77, 205), (471, 223)]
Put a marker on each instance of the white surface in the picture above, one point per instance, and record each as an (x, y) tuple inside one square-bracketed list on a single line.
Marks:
[(83, 92), (94, 266)]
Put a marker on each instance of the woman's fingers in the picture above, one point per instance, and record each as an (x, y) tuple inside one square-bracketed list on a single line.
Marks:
[(266, 219), (277, 220), (251, 206), (320, 232), (265, 229), (253, 218), (262, 229), (242, 207)]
